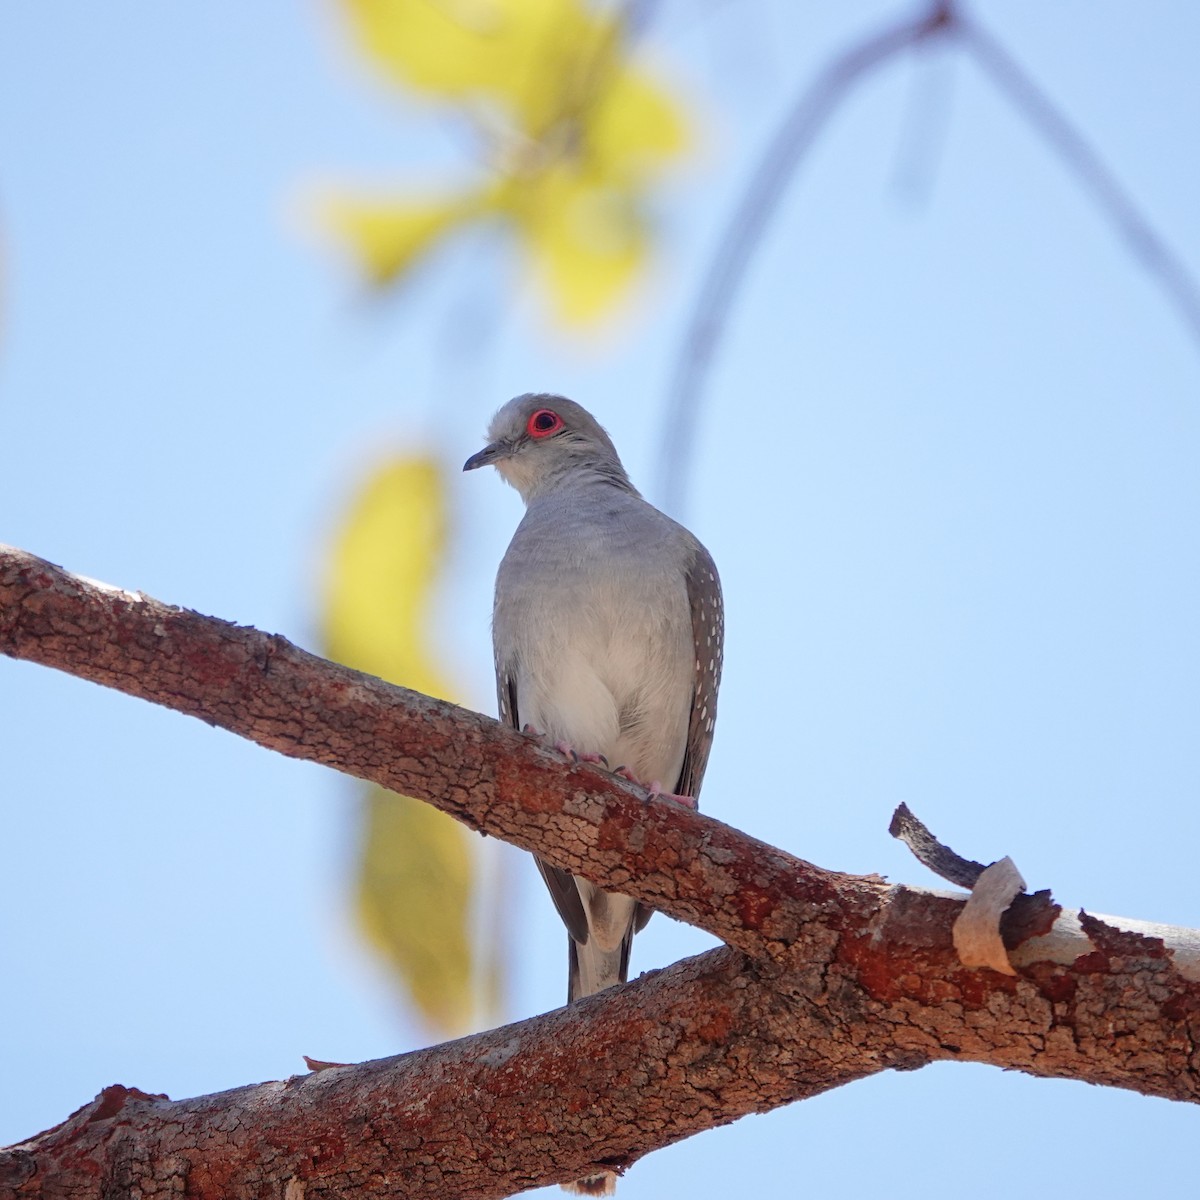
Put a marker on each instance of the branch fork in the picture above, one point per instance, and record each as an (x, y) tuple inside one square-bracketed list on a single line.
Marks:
[(825, 977)]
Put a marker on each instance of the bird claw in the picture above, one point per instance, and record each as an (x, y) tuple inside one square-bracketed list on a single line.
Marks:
[(567, 750), (656, 789), (657, 793)]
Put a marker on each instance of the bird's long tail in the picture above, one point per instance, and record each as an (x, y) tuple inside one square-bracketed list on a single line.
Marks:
[(591, 969)]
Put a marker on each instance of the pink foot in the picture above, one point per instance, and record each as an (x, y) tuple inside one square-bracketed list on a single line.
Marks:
[(656, 789), (657, 793), (567, 750)]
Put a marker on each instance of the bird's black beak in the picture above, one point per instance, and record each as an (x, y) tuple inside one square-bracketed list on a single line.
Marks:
[(487, 455)]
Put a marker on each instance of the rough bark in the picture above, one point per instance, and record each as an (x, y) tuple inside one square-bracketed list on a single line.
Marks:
[(482, 1117), (831, 977), (493, 779)]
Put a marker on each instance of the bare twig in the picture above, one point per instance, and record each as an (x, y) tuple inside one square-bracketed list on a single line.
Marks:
[(743, 233), (1028, 916), (929, 852), (1080, 157)]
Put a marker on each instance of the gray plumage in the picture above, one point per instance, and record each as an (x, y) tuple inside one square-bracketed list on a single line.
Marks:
[(607, 630)]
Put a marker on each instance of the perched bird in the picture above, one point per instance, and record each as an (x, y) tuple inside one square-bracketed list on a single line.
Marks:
[(607, 630)]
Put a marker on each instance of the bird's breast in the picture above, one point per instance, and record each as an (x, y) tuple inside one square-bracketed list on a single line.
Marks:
[(597, 630)]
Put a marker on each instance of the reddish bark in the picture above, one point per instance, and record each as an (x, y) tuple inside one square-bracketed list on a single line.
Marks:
[(832, 977)]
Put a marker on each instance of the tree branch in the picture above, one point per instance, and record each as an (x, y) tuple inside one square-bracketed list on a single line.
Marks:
[(832, 976), (1148, 248), (491, 778), (537, 1102), (744, 231), (743, 234)]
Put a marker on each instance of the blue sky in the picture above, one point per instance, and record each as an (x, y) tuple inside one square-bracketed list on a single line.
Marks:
[(947, 467)]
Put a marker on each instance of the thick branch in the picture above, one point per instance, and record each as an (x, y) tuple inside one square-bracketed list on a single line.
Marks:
[(844, 975), (263, 688), (532, 1103), (607, 1080)]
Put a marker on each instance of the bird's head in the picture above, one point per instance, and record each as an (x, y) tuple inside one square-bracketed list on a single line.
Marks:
[(539, 441)]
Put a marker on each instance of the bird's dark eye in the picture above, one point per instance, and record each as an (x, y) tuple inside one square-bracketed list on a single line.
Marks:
[(543, 423)]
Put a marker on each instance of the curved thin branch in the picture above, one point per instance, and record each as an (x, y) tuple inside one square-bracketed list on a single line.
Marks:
[(743, 233), (1149, 250), (776, 169)]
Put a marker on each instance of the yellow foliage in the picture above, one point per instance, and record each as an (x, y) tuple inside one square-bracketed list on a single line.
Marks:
[(587, 242), (637, 127), (523, 56), (388, 236), (385, 566), (416, 878), (418, 871), (574, 131)]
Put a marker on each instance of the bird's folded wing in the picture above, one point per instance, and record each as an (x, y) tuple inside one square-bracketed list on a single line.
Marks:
[(708, 636), (561, 883)]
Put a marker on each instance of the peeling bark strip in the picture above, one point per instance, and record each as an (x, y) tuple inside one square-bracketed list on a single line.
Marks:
[(977, 930), (839, 976)]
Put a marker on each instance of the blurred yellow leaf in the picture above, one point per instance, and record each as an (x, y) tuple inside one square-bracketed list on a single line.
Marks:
[(414, 891), (418, 869), (636, 127), (510, 52), (383, 572), (573, 132), (388, 235), (587, 242)]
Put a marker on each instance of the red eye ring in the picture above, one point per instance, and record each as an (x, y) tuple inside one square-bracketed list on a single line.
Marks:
[(543, 423)]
